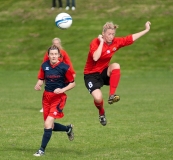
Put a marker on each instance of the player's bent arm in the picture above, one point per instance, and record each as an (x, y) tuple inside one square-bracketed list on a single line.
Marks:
[(98, 52), (69, 86), (140, 34), (38, 85), (62, 90)]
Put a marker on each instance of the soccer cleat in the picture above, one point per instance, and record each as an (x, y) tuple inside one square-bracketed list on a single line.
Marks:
[(102, 119), (70, 133), (39, 153), (113, 98)]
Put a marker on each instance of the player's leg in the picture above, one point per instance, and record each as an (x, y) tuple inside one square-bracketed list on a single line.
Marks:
[(63, 128), (53, 4), (98, 102), (60, 3), (46, 136), (57, 106), (73, 5), (114, 73), (93, 83), (67, 4), (48, 123)]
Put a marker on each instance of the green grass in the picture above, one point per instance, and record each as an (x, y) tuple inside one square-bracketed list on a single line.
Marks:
[(28, 28), (139, 127)]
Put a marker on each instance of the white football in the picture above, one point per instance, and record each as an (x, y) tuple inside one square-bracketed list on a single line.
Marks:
[(63, 20)]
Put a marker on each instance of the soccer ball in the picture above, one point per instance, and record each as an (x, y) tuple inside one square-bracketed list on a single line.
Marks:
[(63, 20)]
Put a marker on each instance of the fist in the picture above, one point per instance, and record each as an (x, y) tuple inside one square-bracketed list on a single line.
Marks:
[(147, 25)]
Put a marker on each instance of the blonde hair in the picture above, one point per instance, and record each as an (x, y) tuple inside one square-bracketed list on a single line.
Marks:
[(109, 25), (59, 43)]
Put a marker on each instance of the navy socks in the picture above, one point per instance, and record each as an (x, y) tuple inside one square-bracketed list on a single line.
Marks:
[(48, 133), (60, 127), (46, 137)]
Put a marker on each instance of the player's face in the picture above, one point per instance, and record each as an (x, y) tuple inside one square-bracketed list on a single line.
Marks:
[(56, 43), (109, 35), (53, 56)]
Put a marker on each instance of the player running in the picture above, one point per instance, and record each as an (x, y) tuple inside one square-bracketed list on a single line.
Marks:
[(98, 71), (64, 57), (58, 79)]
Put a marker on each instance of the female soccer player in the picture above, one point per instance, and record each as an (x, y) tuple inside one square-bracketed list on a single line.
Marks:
[(99, 72), (64, 58), (58, 79)]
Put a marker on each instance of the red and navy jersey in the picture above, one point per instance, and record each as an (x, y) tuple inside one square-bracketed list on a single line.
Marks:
[(55, 76), (108, 51), (65, 58)]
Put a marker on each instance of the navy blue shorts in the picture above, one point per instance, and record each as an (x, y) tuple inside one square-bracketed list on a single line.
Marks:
[(96, 80)]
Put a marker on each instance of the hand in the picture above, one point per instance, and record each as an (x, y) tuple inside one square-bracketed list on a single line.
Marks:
[(37, 87), (147, 25), (58, 91), (100, 37)]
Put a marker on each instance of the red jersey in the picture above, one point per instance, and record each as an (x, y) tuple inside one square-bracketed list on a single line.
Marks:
[(108, 51), (65, 58)]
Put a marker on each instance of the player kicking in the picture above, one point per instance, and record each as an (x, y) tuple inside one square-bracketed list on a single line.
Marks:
[(58, 79), (98, 71)]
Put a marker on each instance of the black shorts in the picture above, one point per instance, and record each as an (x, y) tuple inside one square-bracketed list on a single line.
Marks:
[(96, 80)]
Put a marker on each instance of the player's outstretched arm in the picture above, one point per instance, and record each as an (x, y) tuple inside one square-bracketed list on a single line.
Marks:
[(140, 34)]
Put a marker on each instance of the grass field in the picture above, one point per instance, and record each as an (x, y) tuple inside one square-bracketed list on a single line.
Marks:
[(140, 126)]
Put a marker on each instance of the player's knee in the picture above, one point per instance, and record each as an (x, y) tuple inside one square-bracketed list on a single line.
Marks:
[(115, 66), (98, 99), (97, 95), (47, 125)]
